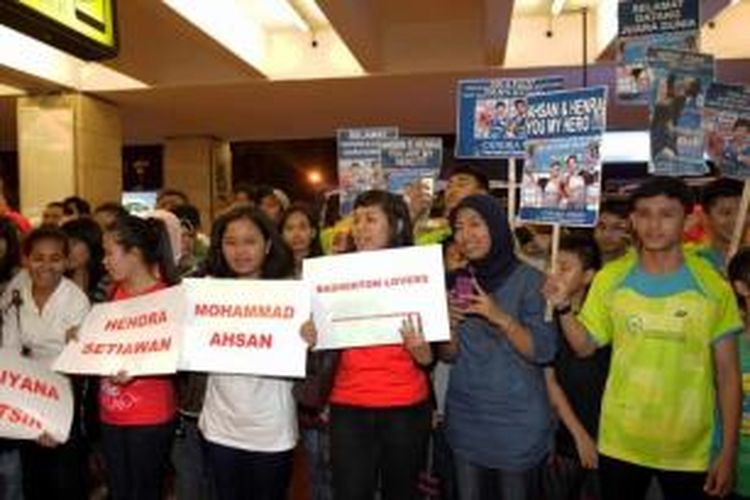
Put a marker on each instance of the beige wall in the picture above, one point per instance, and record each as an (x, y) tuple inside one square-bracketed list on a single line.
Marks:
[(201, 168), (98, 136), (529, 46), (67, 144), (46, 151)]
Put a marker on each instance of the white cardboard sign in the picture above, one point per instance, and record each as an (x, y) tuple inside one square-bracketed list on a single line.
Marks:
[(33, 399), (140, 336), (361, 299), (245, 326)]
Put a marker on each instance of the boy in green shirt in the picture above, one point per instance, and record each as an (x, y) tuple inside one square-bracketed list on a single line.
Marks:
[(672, 322), (739, 275)]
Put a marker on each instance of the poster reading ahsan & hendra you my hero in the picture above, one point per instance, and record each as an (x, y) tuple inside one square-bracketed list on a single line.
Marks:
[(561, 181)]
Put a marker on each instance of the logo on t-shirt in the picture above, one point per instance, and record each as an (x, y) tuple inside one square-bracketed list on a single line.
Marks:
[(634, 324), (114, 399)]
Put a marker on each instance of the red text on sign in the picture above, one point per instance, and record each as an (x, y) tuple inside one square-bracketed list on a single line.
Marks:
[(30, 385), (251, 340), (17, 416), (127, 348), (138, 321), (244, 311)]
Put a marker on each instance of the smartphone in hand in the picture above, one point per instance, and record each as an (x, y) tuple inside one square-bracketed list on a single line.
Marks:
[(463, 288)]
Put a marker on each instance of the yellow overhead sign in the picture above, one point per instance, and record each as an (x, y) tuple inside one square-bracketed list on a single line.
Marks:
[(87, 28)]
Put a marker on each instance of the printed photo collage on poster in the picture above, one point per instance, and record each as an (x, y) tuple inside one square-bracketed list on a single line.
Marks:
[(559, 141), (377, 158), (643, 24), (562, 172)]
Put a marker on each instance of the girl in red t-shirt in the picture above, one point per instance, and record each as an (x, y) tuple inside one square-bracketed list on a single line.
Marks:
[(380, 413), (137, 414)]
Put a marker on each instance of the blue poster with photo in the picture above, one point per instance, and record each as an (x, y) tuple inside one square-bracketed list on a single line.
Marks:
[(411, 160), (633, 78), (491, 115), (359, 156), (644, 24), (726, 120), (678, 88), (561, 182)]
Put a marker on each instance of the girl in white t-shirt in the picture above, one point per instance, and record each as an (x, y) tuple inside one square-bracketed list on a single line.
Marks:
[(249, 422)]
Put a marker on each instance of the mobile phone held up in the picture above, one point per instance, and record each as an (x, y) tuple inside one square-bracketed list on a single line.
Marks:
[(463, 289)]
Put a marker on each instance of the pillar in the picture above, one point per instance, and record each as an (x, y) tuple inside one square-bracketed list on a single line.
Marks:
[(68, 144), (201, 167)]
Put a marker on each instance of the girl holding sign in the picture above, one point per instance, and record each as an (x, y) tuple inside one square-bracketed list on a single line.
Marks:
[(249, 422), (380, 410), (41, 307), (137, 414), (498, 417), (10, 460)]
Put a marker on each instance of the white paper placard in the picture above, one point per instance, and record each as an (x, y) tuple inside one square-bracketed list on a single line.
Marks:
[(140, 336), (33, 399), (245, 326), (361, 299)]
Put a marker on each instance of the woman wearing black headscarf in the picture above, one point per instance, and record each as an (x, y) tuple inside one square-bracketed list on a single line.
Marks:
[(498, 418)]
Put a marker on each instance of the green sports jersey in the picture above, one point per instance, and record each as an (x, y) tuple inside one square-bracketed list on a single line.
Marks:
[(742, 487), (659, 403)]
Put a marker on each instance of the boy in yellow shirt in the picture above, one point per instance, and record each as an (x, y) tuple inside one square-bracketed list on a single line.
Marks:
[(672, 323)]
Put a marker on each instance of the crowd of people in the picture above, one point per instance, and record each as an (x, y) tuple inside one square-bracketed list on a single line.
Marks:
[(623, 367)]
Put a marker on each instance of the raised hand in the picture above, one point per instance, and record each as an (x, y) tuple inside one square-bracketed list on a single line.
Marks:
[(309, 333), (556, 291), (483, 304), (71, 334), (122, 378), (46, 441), (414, 341)]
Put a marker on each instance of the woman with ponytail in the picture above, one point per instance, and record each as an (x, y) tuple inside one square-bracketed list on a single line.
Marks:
[(137, 414)]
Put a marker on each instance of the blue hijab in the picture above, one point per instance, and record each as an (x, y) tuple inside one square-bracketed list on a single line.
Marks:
[(492, 270)]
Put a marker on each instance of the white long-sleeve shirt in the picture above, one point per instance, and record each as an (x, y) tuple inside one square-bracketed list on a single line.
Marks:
[(41, 332)]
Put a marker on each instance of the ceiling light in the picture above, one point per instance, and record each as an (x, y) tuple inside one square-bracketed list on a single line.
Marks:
[(286, 9), (29, 56), (273, 36), (557, 7), (226, 22)]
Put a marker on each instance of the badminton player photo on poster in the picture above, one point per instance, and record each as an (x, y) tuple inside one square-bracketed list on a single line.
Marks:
[(562, 171)]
